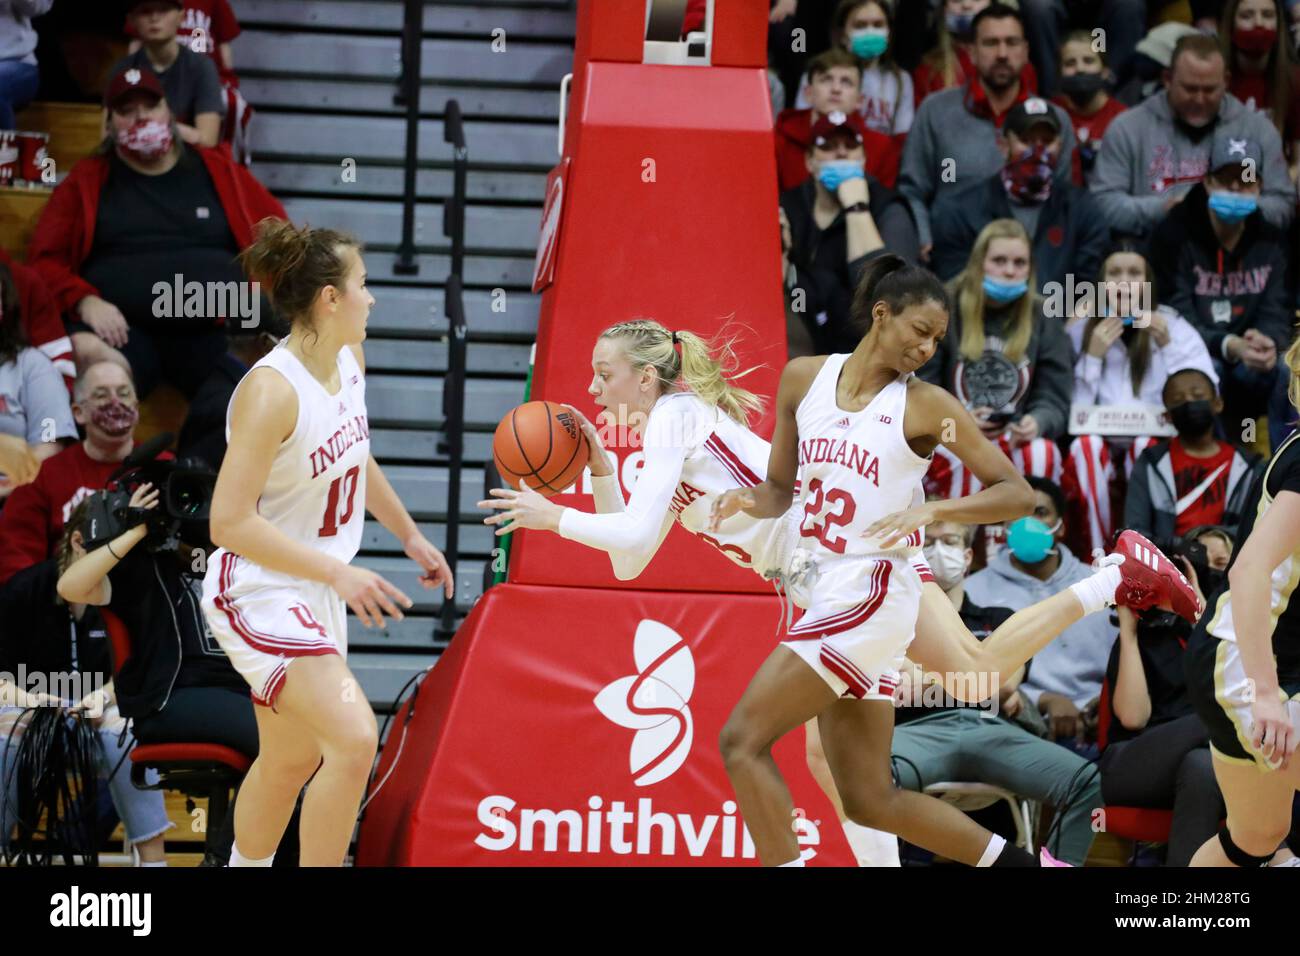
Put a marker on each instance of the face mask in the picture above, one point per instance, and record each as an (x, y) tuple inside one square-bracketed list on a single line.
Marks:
[(1192, 419), (1210, 581), (948, 562), (836, 171), (1231, 207), (1255, 40), (115, 418), (1028, 178), (1030, 540), (869, 43), (959, 24), (1082, 87), (1004, 292), (145, 140)]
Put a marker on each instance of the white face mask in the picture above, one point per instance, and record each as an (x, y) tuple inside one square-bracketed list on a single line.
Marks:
[(948, 562)]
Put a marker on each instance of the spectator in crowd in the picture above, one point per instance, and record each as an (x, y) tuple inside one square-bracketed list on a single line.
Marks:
[(834, 86), (19, 76), (46, 635), (1225, 268), (1157, 750), (209, 27), (1149, 67), (1084, 98), (953, 141), (189, 80), (865, 28), (1193, 478), (203, 435), (1293, 24), (1126, 346), (33, 400), (1003, 359), (840, 219), (1262, 69), (1064, 678), (951, 62), (1156, 150), (798, 335), (1070, 233), (31, 524), (948, 740), (41, 323), (144, 210), (1121, 20)]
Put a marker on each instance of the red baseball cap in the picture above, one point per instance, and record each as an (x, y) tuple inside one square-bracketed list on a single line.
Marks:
[(130, 79), (847, 124)]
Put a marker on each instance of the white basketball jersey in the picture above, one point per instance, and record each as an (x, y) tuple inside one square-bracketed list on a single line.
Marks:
[(856, 467), (316, 490), (724, 455)]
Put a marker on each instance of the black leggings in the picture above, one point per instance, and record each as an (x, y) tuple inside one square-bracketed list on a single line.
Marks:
[(183, 358), (1168, 767)]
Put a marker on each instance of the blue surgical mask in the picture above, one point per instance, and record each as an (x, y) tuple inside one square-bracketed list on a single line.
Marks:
[(869, 42), (1232, 207), (835, 171), (959, 24), (1030, 540), (1004, 292)]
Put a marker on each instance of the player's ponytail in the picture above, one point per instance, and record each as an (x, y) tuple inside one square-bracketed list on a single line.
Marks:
[(293, 264), (889, 279), (1293, 363), (685, 360)]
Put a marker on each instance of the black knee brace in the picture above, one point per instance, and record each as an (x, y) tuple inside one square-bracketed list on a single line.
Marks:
[(1236, 854)]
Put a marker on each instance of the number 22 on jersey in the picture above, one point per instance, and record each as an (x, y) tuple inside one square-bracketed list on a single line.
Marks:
[(834, 507)]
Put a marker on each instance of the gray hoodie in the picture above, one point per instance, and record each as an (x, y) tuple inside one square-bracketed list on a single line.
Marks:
[(17, 38), (1146, 157), (1074, 664)]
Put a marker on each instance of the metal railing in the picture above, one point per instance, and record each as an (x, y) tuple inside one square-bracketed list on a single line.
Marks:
[(408, 93)]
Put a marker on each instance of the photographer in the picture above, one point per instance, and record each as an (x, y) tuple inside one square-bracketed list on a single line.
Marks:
[(1158, 748), (43, 635)]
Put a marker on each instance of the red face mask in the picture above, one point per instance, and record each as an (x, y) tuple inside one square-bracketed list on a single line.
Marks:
[(1255, 40), (145, 140)]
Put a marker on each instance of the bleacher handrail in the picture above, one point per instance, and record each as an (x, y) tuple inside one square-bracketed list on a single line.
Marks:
[(409, 86), (453, 402)]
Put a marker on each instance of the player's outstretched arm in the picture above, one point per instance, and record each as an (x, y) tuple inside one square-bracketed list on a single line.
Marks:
[(771, 498)]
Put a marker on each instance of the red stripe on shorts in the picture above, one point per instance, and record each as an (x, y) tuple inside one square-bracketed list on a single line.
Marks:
[(266, 643), (854, 616)]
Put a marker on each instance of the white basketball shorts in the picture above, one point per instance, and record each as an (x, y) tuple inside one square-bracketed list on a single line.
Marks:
[(264, 626)]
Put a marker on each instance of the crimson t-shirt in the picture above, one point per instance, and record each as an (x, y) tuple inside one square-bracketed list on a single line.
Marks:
[(1088, 130), (1200, 485), (206, 25)]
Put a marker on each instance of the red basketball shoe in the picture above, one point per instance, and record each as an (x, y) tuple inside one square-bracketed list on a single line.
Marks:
[(1149, 579)]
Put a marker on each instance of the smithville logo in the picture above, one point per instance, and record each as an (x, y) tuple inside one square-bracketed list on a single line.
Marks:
[(75, 909), (653, 702)]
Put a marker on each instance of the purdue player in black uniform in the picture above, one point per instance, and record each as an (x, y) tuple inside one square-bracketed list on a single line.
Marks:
[(1243, 666)]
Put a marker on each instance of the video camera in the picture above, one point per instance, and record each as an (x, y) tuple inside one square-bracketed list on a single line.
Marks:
[(184, 499)]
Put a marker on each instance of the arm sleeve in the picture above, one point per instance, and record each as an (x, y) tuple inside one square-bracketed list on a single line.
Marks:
[(1277, 200), (1137, 502), (898, 232), (45, 400), (225, 26), (1186, 349), (24, 527), (1087, 379), (52, 251), (1049, 394), (906, 105), (1276, 311), (915, 177), (1110, 184), (45, 329), (632, 536)]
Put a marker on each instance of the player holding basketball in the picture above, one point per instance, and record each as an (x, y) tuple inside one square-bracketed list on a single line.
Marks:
[(287, 513), (690, 419), (1243, 667)]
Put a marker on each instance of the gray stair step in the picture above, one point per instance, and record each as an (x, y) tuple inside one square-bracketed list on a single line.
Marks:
[(486, 227), (532, 64), (382, 676), (513, 272), (422, 445), (423, 490), (481, 358), (481, 17), (404, 574), (404, 311), (476, 538), (289, 175), (531, 146), (406, 401), (286, 91)]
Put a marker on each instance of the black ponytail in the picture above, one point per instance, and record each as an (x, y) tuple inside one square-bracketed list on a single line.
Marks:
[(889, 279)]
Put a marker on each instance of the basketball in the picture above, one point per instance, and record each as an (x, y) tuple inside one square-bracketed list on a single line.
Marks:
[(540, 443)]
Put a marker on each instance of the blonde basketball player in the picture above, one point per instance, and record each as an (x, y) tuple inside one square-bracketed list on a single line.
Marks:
[(287, 514), (690, 419)]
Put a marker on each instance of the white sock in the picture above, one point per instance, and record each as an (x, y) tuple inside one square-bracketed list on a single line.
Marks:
[(797, 861), (238, 859), (1098, 591), (871, 847), (156, 863), (992, 851)]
